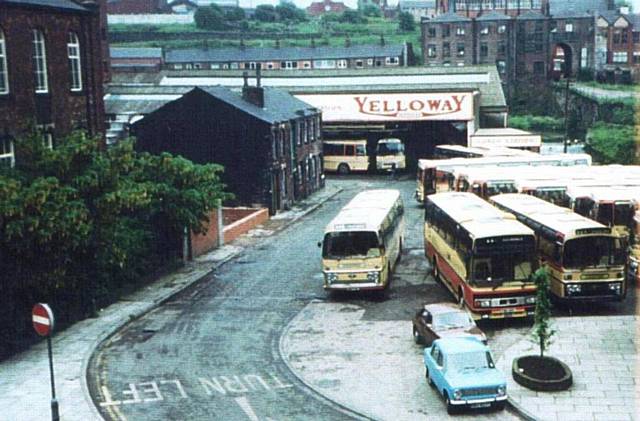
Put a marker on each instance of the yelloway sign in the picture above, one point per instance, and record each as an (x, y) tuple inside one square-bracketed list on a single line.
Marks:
[(392, 107)]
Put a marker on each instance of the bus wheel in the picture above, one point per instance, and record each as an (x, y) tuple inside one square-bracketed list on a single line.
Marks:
[(343, 169)]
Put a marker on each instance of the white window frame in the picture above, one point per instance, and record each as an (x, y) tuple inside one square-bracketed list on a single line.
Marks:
[(4, 71), (620, 57), (460, 30), (369, 62), (392, 61), (47, 140), (75, 63), (342, 64), (270, 65), (214, 66), (359, 64), (39, 55), (7, 152), (188, 66), (484, 30), (502, 29), (177, 66), (568, 27), (197, 66)]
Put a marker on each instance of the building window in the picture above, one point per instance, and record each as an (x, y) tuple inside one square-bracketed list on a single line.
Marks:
[(392, 61), (324, 64), (369, 62), (619, 56), (306, 64), (298, 133), (502, 29), (460, 30), (484, 50), (584, 57), (636, 57), (270, 66), (40, 62), (197, 66), (502, 48), (484, 30), (446, 49), (234, 65), (289, 65), (4, 72), (177, 66), (460, 50), (214, 66), (538, 67), (432, 51), (342, 64), (636, 37), (501, 65), (47, 140), (431, 32), (7, 157), (568, 27), (359, 64), (378, 63), (616, 37), (446, 31), (188, 66)]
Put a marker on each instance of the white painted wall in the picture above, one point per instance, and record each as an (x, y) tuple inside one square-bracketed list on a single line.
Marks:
[(149, 19)]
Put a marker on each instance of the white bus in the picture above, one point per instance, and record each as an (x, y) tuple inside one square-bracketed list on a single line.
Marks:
[(390, 155), (363, 242), (345, 156)]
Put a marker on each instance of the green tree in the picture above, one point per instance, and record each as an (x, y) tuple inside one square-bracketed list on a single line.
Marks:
[(289, 12), (352, 16), (611, 143), (234, 14), (210, 17), (406, 22), (542, 331), (371, 11), (266, 13)]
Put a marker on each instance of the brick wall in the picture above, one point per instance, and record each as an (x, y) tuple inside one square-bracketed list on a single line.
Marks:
[(237, 221)]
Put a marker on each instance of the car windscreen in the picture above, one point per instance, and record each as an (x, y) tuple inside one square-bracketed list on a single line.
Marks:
[(470, 361), (592, 251), (390, 149), (450, 320), (339, 245)]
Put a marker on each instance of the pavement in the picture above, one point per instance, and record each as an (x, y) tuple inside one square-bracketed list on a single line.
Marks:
[(602, 353)]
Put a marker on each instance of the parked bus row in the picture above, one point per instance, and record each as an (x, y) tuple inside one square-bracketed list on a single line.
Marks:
[(346, 156)]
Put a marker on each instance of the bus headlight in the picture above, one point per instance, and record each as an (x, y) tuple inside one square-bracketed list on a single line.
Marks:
[(331, 277), (502, 390), (373, 276), (457, 394), (530, 300), (616, 287), (573, 289), (482, 303)]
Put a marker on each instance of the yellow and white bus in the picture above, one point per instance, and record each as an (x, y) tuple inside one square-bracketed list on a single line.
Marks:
[(363, 242), (345, 156), (484, 256), (586, 260), (390, 155)]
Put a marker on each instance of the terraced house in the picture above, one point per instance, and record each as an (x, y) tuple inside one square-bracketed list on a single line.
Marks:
[(300, 58)]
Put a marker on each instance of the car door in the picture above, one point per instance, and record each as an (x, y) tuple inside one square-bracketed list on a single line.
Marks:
[(437, 374)]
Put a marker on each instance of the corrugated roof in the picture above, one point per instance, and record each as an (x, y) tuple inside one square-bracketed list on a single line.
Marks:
[(125, 52), (53, 4), (276, 54)]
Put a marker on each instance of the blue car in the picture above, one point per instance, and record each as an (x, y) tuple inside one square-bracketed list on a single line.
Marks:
[(463, 371)]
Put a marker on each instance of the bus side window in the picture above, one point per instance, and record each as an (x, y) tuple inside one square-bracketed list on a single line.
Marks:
[(350, 150)]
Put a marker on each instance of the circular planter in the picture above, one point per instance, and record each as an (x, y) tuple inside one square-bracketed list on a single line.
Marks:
[(541, 373)]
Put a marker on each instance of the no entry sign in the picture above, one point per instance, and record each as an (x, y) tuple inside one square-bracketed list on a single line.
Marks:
[(43, 321)]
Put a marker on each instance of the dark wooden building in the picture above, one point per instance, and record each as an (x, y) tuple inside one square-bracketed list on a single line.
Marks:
[(52, 68), (268, 141)]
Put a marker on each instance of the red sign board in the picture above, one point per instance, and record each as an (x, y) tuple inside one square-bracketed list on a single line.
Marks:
[(43, 321)]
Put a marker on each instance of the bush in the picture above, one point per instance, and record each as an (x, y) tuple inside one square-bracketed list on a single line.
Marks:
[(372, 11), (352, 16), (266, 13), (611, 143), (210, 17), (289, 12), (536, 123), (406, 22), (234, 14)]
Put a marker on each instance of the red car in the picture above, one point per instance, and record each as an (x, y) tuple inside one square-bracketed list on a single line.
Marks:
[(443, 320)]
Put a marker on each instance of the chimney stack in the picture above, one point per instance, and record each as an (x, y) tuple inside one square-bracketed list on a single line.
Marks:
[(253, 94)]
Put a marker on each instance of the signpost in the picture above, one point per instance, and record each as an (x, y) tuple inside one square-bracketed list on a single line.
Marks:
[(44, 323)]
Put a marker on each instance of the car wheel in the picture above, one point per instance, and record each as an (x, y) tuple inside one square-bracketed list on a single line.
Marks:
[(417, 338), (451, 409), (343, 169), (499, 405)]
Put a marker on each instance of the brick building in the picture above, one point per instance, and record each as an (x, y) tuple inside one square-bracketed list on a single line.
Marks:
[(268, 141), (133, 7), (319, 8), (535, 39), (300, 58), (52, 67)]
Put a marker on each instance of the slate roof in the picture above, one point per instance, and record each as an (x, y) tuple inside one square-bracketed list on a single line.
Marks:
[(450, 17), (277, 54), (125, 52), (492, 16), (50, 4), (576, 7), (531, 15)]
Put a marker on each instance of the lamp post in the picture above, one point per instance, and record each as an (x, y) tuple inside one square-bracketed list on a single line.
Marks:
[(566, 115)]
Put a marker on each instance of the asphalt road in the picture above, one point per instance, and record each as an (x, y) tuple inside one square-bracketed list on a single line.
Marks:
[(213, 351)]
